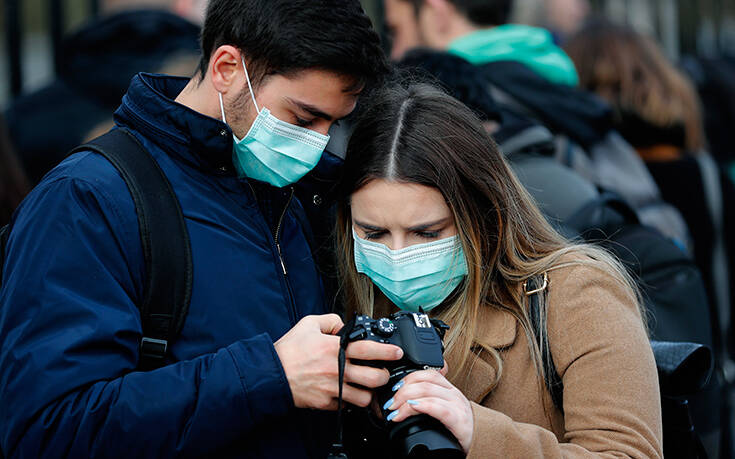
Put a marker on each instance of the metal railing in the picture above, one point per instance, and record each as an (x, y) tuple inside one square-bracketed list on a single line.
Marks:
[(13, 14)]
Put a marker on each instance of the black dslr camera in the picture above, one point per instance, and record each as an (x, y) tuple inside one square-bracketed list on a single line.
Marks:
[(420, 337)]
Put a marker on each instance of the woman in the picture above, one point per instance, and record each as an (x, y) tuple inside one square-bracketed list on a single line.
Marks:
[(656, 109), (432, 217)]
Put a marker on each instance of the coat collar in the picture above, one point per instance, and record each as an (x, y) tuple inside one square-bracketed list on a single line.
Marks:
[(150, 107), (498, 330)]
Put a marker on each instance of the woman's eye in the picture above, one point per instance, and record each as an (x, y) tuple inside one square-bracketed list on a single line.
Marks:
[(375, 235), (428, 234)]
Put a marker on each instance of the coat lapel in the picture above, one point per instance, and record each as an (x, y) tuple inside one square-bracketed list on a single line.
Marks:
[(498, 331)]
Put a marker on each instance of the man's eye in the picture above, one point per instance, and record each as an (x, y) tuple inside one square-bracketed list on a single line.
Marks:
[(302, 122)]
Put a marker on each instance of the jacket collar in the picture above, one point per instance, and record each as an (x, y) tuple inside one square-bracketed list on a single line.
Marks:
[(149, 107), (499, 329)]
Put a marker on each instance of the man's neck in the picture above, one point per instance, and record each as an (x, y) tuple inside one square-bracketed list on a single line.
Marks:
[(196, 95), (460, 28)]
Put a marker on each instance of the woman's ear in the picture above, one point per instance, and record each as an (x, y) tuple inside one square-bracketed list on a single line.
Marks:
[(225, 69)]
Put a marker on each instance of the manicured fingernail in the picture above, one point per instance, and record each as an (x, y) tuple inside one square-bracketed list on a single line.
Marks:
[(392, 415), (398, 385), (411, 402), (388, 404)]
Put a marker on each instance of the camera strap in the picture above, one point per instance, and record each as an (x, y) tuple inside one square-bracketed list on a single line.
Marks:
[(338, 449)]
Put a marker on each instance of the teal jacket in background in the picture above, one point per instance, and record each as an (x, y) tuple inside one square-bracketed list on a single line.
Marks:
[(531, 46)]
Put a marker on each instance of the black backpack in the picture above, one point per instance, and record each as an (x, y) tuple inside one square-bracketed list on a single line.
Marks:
[(683, 369), (165, 240), (675, 295)]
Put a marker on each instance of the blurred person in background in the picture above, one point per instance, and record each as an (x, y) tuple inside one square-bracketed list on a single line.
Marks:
[(657, 110), (561, 17), (96, 64), (477, 30), (13, 181), (529, 74), (253, 371)]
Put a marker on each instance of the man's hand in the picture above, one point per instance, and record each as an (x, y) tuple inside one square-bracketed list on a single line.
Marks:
[(308, 353)]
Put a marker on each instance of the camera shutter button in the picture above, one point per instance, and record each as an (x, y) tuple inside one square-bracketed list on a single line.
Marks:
[(385, 327)]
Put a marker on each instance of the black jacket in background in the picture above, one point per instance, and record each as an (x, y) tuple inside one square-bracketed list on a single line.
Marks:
[(568, 110), (96, 65)]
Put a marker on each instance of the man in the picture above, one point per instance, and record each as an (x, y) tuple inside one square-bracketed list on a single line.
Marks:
[(96, 64), (476, 30), (256, 362)]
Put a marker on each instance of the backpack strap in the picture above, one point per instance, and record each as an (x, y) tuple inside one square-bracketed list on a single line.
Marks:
[(165, 240), (533, 288), (4, 235)]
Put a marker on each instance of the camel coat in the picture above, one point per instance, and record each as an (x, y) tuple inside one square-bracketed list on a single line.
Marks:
[(601, 351)]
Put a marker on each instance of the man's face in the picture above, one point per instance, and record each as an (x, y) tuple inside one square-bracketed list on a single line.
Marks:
[(402, 23), (314, 99)]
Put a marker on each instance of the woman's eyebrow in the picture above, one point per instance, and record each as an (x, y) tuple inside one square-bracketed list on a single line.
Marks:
[(365, 226), (424, 226)]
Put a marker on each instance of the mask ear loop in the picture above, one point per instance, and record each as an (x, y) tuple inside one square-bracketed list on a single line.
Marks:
[(222, 108), (250, 86)]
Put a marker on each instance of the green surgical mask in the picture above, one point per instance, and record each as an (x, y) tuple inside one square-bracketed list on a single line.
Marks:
[(274, 151), (421, 275)]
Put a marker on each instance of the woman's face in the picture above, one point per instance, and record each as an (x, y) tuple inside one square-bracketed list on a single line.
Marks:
[(401, 214)]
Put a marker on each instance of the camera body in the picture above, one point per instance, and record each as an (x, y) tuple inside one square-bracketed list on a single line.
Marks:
[(420, 337)]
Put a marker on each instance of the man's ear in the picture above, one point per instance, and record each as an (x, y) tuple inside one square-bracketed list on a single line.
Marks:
[(224, 68)]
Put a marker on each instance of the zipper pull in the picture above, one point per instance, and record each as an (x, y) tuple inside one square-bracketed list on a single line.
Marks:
[(280, 257)]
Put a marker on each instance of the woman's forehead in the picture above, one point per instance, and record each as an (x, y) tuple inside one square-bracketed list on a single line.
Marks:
[(390, 203)]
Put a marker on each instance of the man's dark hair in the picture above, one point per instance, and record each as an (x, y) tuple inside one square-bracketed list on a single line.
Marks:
[(286, 36), (480, 12)]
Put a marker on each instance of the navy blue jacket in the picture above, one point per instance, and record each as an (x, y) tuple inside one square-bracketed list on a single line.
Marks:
[(74, 272)]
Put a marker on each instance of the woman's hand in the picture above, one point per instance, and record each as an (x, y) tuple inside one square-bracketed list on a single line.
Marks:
[(430, 393)]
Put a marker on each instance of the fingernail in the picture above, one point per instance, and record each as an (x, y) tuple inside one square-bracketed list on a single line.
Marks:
[(399, 353), (410, 402), (392, 416), (388, 404), (398, 385)]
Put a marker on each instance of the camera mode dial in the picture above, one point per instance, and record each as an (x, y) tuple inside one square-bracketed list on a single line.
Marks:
[(385, 327)]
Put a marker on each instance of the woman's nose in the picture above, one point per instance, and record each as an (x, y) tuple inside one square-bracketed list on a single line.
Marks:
[(397, 243)]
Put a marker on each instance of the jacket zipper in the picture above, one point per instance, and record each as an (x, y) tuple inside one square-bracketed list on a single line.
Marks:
[(278, 232), (276, 240)]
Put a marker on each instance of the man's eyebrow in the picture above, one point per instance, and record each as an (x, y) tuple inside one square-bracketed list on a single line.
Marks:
[(310, 109), (365, 226), (424, 226)]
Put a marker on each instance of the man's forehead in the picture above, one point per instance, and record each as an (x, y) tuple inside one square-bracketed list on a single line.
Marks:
[(322, 91)]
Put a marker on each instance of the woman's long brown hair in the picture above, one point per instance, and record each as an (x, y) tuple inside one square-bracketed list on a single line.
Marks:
[(415, 133)]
